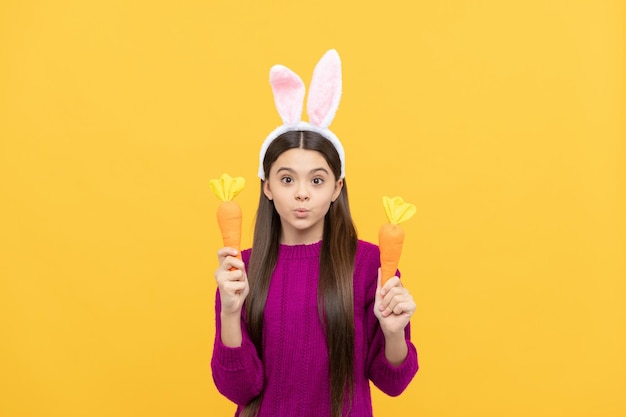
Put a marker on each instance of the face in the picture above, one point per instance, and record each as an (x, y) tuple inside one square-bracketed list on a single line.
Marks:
[(302, 186)]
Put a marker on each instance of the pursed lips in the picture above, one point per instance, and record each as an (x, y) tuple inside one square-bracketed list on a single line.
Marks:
[(301, 212)]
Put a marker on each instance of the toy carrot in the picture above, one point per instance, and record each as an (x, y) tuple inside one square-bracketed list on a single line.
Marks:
[(229, 214), (391, 235)]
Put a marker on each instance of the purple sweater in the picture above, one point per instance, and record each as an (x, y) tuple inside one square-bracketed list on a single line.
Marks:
[(293, 370)]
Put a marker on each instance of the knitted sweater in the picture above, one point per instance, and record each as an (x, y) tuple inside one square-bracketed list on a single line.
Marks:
[(293, 372)]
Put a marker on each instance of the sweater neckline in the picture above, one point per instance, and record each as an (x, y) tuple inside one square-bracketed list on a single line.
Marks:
[(300, 251)]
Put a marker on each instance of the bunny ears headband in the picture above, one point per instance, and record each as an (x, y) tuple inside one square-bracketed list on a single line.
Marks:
[(322, 103)]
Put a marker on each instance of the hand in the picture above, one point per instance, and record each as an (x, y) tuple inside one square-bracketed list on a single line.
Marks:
[(232, 281), (393, 305)]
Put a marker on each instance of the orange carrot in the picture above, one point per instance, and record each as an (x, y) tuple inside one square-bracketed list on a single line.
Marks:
[(391, 236), (390, 241), (229, 219), (229, 215)]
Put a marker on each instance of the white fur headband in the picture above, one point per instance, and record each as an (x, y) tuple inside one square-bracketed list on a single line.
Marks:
[(322, 103)]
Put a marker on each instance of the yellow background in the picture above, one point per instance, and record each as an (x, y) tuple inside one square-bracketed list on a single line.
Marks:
[(504, 122)]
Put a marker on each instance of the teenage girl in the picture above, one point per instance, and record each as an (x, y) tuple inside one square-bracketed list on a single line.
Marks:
[(302, 323)]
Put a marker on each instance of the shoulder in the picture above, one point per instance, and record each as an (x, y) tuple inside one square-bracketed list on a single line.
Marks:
[(367, 250), (366, 264), (367, 257)]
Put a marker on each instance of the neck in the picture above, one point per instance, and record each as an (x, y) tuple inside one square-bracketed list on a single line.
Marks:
[(292, 236), (292, 241), (299, 238)]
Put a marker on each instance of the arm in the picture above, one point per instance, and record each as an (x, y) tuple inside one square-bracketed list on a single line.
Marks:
[(393, 308), (232, 283), (236, 367), (392, 358)]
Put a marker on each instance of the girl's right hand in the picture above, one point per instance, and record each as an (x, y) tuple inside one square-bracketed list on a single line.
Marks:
[(232, 281)]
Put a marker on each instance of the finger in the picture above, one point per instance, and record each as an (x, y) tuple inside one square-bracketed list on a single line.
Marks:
[(233, 275), (406, 305), (389, 294), (386, 293), (391, 283), (230, 263), (224, 275), (224, 252), (399, 300), (234, 287), (390, 299)]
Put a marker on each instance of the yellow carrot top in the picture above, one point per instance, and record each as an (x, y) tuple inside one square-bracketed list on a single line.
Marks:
[(226, 188), (398, 210)]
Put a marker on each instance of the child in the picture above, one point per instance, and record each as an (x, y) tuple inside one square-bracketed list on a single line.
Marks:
[(302, 324)]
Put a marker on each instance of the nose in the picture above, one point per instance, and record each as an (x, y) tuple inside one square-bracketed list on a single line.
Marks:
[(302, 194)]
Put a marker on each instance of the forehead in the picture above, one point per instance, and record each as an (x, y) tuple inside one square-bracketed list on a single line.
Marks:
[(300, 159)]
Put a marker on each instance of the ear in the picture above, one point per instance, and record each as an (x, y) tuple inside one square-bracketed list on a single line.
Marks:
[(266, 190), (325, 90), (288, 90), (338, 187)]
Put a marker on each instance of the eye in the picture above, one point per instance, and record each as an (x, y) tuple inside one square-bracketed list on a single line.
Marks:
[(286, 180), (318, 181)]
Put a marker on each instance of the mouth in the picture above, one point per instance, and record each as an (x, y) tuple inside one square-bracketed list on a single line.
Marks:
[(301, 212)]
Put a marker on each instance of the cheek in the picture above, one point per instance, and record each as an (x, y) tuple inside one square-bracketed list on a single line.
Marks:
[(280, 200)]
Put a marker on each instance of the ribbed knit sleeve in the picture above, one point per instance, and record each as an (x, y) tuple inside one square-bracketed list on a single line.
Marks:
[(237, 372), (390, 379)]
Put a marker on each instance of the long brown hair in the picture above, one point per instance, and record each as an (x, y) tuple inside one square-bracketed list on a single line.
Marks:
[(335, 289)]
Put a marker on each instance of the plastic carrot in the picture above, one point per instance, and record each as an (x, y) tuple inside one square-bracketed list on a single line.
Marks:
[(391, 235), (229, 216)]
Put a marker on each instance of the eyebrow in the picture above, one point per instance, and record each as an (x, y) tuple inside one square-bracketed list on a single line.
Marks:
[(291, 170)]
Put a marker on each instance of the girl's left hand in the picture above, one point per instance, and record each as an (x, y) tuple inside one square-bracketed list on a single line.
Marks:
[(393, 305)]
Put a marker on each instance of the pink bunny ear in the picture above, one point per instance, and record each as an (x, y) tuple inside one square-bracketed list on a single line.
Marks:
[(288, 90), (325, 90)]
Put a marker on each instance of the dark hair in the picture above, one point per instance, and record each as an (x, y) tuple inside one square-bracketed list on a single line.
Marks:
[(335, 288)]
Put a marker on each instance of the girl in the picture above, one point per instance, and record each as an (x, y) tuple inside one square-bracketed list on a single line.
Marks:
[(302, 324)]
